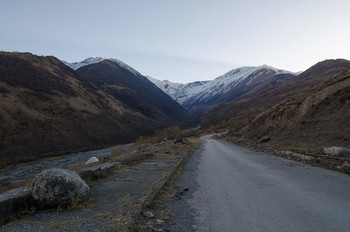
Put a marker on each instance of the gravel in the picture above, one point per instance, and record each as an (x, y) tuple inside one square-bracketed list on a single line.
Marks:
[(182, 213), (113, 199)]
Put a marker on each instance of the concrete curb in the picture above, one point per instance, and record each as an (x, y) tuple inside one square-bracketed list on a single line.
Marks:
[(13, 203), (16, 201), (150, 198)]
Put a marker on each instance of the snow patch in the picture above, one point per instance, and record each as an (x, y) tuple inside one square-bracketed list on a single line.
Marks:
[(94, 60)]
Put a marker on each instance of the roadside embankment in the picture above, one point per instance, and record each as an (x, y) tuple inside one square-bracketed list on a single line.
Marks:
[(341, 164), (120, 189)]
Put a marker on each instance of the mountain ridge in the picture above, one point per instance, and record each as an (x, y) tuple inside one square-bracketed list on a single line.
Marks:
[(94, 60), (245, 109), (200, 96)]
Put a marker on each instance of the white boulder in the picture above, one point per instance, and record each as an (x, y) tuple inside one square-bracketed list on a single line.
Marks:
[(92, 160)]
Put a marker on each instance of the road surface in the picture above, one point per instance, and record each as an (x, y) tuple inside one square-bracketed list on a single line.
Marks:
[(236, 189)]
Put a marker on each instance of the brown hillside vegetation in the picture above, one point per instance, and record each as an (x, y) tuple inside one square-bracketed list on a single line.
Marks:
[(245, 108), (134, 90), (316, 118), (47, 108)]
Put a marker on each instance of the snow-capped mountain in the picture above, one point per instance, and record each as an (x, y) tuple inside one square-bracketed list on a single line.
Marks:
[(94, 60), (128, 86), (177, 91), (200, 96)]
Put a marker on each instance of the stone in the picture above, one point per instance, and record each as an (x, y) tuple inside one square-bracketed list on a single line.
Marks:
[(106, 156), (157, 230), (165, 140), (264, 139), (178, 140), (288, 152), (92, 160), (58, 187), (12, 203), (337, 151), (148, 214), (159, 222)]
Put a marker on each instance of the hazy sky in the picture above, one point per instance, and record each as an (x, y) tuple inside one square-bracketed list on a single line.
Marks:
[(181, 40)]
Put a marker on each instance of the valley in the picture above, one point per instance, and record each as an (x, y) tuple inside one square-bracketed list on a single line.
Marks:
[(174, 116), (44, 104), (51, 109)]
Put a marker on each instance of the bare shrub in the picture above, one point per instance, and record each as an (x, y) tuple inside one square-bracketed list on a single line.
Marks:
[(123, 151)]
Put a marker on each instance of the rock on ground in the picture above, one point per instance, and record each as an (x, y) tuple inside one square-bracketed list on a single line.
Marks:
[(178, 140), (264, 139), (103, 157), (148, 214), (337, 151), (58, 187), (92, 160)]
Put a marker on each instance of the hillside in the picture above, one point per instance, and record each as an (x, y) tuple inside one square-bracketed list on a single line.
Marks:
[(134, 90), (245, 108), (47, 108), (201, 96), (316, 118)]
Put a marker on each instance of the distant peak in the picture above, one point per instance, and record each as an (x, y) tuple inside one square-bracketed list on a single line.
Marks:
[(94, 60)]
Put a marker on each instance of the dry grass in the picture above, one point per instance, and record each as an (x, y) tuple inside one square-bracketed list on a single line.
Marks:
[(173, 132), (126, 199), (9, 186), (120, 151), (166, 194)]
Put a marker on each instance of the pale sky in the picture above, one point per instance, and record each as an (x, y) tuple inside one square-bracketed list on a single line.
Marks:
[(181, 40)]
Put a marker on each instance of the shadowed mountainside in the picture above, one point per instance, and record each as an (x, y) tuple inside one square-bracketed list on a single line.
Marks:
[(47, 108), (134, 90)]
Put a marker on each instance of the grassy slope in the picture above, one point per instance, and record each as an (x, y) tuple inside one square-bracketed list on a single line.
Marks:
[(244, 109), (318, 117), (47, 108)]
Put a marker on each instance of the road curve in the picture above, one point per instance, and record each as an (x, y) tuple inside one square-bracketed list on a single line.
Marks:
[(237, 189)]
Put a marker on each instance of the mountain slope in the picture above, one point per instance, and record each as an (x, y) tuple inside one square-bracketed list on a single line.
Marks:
[(245, 108), (47, 108), (201, 96), (134, 90), (316, 118)]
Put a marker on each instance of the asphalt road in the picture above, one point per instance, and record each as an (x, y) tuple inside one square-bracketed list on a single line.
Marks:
[(236, 189)]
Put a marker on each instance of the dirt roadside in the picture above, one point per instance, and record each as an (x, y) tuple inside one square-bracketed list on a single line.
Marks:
[(116, 199)]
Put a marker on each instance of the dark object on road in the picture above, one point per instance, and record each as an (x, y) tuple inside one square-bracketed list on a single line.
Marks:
[(264, 139), (180, 193), (58, 187)]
